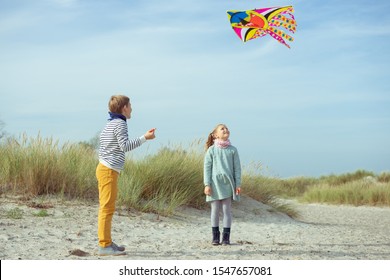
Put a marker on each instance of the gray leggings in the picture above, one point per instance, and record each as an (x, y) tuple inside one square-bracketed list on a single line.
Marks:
[(226, 205)]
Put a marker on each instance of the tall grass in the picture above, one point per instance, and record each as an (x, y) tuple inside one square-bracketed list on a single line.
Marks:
[(38, 166), (355, 193), (337, 180), (166, 180)]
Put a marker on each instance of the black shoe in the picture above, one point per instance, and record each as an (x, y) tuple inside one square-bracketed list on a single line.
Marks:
[(226, 236), (216, 236)]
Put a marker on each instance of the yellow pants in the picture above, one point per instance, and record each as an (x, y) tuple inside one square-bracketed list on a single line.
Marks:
[(108, 190)]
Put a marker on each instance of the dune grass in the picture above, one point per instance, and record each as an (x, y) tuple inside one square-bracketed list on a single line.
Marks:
[(355, 193), (37, 166), (166, 180), (163, 182)]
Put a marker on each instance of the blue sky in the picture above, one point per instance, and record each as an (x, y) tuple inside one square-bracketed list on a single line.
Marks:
[(319, 108)]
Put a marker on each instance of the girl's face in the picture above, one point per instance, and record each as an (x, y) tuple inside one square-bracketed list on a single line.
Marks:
[(222, 132)]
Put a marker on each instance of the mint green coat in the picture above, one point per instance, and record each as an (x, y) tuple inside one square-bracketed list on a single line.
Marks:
[(222, 172)]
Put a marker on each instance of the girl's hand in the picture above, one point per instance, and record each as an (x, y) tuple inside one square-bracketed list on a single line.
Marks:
[(150, 134), (207, 190), (238, 190)]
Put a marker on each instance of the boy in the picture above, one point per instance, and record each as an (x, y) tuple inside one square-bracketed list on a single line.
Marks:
[(114, 143)]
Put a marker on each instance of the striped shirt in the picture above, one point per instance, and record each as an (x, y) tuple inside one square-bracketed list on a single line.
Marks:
[(114, 143)]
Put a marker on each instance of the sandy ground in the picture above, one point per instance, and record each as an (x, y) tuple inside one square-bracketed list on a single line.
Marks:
[(322, 232)]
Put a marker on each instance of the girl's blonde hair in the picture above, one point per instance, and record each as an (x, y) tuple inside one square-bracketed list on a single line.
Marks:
[(117, 102), (210, 138)]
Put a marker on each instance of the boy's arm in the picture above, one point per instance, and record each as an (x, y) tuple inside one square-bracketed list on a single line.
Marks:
[(124, 143)]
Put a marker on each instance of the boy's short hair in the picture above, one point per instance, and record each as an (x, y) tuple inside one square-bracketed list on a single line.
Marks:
[(117, 102)]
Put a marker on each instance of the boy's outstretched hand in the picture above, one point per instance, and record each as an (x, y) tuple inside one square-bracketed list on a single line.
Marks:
[(150, 134)]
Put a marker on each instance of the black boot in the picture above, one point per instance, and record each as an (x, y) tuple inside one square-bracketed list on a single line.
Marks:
[(216, 235), (226, 236)]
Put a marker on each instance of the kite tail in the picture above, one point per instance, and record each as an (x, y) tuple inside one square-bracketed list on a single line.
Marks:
[(289, 12), (287, 23), (279, 35)]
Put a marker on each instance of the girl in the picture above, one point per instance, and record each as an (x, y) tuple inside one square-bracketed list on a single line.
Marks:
[(222, 180)]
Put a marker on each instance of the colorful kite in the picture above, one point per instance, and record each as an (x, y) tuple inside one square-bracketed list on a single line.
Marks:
[(256, 23)]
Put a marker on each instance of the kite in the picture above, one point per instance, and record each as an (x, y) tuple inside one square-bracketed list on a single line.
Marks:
[(256, 23)]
